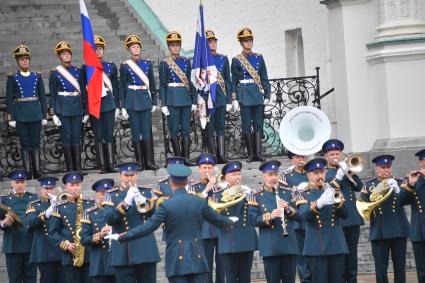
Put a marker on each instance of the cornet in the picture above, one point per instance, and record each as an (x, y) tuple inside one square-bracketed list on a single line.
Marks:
[(338, 196)]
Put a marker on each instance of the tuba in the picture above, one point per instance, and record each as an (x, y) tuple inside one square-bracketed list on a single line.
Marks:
[(378, 195), (78, 257), (304, 129)]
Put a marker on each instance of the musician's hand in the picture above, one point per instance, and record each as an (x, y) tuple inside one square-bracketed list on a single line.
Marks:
[(393, 184), (302, 186), (343, 165), (283, 204), (340, 174), (105, 231), (71, 248), (413, 178), (276, 213), (325, 199), (234, 218), (7, 221), (114, 237)]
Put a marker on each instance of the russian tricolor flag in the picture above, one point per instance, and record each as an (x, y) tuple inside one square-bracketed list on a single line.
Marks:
[(94, 68)]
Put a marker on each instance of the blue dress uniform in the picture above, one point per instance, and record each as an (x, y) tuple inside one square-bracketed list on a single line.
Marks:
[(238, 242), (183, 215), (351, 224), (44, 253), (93, 221), (250, 96), (277, 248), (26, 104), (414, 194), (389, 229), (177, 97), (293, 177), (138, 99), (69, 105), (63, 230), (130, 265), (104, 126), (17, 239), (325, 245), (209, 231), (223, 97)]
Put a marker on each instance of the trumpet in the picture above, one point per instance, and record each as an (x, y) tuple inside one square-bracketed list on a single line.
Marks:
[(142, 205), (338, 196), (355, 164), (284, 228), (61, 195)]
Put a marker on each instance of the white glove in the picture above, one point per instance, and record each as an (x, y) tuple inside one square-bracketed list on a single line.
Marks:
[(266, 101), (343, 166), (12, 124), (165, 111), (228, 107), (124, 113), (139, 198), (234, 219), (325, 199), (340, 174), (129, 197), (302, 186), (114, 237), (117, 113), (43, 122), (235, 104), (53, 199), (194, 107), (153, 109), (49, 211), (56, 121), (85, 119), (393, 184)]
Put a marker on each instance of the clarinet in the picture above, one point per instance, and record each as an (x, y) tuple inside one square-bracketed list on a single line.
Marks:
[(284, 229)]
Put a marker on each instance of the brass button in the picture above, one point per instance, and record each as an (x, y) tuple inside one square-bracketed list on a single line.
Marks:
[(180, 257), (180, 241), (199, 256), (272, 226)]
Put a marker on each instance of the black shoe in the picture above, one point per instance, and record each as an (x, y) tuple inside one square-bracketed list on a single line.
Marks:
[(221, 156), (26, 162), (67, 153), (147, 148), (109, 158), (186, 151), (175, 144), (249, 150), (76, 159), (100, 158), (36, 168), (258, 147), (138, 154)]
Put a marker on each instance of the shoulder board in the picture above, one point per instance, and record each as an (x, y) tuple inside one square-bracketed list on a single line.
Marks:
[(370, 180), (35, 201), (258, 190), (146, 59), (112, 190), (90, 209), (163, 180), (110, 62), (10, 74), (88, 198), (184, 58), (256, 54), (222, 55)]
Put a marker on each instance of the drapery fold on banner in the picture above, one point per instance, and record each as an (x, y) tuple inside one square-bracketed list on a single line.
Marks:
[(204, 71), (94, 68)]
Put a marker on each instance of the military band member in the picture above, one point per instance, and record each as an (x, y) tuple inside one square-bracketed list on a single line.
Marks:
[(250, 90), (183, 216), (26, 109), (293, 176), (93, 235), (177, 95), (67, 103), (223, 101), (389, 227), (271, 211), (238, 242), (139, 100), (65, 229), (413, 193), (17, 240), (333, 152), (44, 253), (104, 126), (204, 188), (325, 245), (123, 214)]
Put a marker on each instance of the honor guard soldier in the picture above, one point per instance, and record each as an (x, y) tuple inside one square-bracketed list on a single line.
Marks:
[(138, 96), (104, 126), (324, 245), (413, 193), (124, 210), (223, 101), (93, 235), (26, 109), (271, 211), (236, 243), (389, 227), (17, 239), (336, 174), (204, 188), (250, 90), (44, 253), (293, 176), (183, 216), (177, 95), (68, 99), (65, 228)]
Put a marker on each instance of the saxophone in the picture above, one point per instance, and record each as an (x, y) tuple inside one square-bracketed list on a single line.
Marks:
[(78, 257)]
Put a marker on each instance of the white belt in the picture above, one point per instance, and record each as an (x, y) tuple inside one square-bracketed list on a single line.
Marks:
[(68, 93), (176, 84), (136, 87), (250, 81)]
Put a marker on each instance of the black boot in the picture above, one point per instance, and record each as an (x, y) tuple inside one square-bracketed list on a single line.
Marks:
[(175, 144), (26, 161), (76, 159), (212, 146), (100, 158), (248, 143), (138, 154), (147, 148), (36, 168), (186, 150), (67, 153), (258, 147), (152, 153), (221, 157), (109, 157)]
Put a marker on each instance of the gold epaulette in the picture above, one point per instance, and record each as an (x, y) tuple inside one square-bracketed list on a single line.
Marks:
[(90, 209), (158, 192), (283, 182), (334, 182), (252, 200), (300, 202), (258, 190), (30, 208), (9, 74), (56, 213), (313, 207)]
